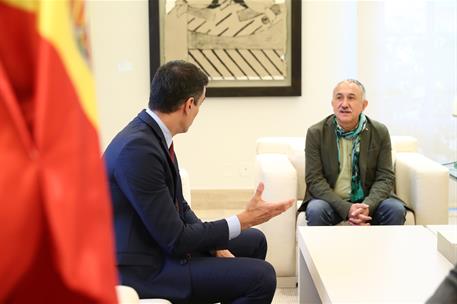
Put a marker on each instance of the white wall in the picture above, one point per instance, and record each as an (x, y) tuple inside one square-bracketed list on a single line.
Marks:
[(218, 150), (120, 57)]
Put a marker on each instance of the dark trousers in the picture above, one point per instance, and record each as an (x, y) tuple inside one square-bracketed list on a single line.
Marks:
[(244, 279), (247, 278)]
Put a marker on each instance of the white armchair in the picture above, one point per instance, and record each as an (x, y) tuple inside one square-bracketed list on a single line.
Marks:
[(128, 295), (280, 164)]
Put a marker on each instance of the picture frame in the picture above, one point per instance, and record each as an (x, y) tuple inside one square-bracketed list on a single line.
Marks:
[(245, 51)]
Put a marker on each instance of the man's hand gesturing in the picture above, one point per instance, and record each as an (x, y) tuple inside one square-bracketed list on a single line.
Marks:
[(259, 211)]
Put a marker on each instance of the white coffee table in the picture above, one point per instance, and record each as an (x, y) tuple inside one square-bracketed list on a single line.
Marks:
[(388, 264)]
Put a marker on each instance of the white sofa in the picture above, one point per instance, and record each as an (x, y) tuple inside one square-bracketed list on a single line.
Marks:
[(280, 164), (128, 295)]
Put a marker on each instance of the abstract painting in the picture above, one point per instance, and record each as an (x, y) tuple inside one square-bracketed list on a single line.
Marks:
[(246, 47)]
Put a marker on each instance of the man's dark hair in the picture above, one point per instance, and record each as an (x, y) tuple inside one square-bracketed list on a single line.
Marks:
[(173, 83)]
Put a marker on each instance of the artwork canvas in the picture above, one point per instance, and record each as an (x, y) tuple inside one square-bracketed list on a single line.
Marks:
[(246, 47)]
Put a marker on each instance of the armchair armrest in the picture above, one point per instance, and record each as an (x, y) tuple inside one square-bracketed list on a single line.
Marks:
[(424, 185), (280, 179), (128, 295), (294, 148)]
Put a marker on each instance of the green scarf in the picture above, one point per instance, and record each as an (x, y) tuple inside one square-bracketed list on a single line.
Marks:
[(357, 194)]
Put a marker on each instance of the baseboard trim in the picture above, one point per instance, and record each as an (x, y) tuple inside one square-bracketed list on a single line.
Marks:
[(286, 282), (220, 198)]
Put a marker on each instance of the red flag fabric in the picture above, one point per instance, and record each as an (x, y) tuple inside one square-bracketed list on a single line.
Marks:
[(56, 233)]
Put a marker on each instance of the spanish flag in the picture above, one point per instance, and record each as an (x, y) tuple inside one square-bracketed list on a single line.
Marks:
[(56, 238)]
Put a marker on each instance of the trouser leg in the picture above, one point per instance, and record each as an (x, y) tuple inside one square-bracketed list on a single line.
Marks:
[(244, 279), (320, 213), (389, 212)]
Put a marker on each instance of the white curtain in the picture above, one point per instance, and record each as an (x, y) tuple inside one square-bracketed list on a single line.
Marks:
[(407, 58)]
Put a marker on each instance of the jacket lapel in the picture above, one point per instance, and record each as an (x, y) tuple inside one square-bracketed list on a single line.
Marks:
[(332, 150), (146, 118), (365, 138)]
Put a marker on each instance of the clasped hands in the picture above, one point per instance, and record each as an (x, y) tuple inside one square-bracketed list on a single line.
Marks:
[(359, 214)]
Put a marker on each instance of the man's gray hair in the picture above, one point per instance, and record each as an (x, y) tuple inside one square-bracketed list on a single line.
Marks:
[(357, 83)]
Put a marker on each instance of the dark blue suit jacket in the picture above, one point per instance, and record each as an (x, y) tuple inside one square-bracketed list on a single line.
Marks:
[(153, 239)]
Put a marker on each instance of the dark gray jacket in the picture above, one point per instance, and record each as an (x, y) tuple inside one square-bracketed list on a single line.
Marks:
[(322, 168)]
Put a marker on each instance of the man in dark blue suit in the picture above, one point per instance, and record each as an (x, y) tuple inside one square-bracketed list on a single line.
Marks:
[(163, 249)]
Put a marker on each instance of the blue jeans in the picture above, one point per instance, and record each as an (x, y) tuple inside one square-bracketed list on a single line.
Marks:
[(389, 212)]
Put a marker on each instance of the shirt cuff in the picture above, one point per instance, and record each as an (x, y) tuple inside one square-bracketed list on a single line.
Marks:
[(234, 226)]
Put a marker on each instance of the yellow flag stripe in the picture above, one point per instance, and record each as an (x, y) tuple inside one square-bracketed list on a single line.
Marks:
[(55, 25)]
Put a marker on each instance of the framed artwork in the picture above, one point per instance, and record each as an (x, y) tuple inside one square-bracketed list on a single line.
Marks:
[(246, 47)]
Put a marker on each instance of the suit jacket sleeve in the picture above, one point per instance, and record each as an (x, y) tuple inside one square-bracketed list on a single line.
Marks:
[(316, 182), (381, 184), (142, 174), (189, 216)]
